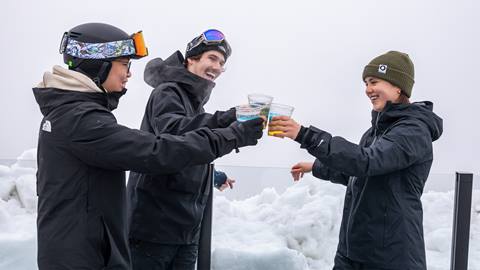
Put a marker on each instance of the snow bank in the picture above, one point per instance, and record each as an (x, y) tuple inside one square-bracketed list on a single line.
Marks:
[(305, 219), (18, 206)]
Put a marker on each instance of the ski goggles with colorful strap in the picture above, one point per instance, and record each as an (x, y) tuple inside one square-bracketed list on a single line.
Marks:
[(210, 37), (133, 47)]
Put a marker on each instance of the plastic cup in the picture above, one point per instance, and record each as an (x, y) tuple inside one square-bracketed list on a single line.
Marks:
[(247, 112), (262, 101), (279, 110)]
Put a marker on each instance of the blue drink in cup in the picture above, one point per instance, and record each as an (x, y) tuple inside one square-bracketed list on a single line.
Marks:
[(247, 112)]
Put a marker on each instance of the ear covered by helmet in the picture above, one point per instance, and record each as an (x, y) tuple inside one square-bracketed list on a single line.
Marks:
[(89, 48)]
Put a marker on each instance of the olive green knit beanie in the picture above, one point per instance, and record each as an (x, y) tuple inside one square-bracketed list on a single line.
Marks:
[(394, 67)]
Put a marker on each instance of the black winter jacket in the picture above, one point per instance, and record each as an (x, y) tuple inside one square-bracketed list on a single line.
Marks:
[(168, 208), (385, 175), (82, 155)]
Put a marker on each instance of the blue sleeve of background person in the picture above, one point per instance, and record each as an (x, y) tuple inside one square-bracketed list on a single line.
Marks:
[(167, 114), (319, 170), (403, 145), (219, 178)]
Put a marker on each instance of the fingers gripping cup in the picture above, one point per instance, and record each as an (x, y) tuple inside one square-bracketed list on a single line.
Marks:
[(278, 110), (262, 101), (247, 112)]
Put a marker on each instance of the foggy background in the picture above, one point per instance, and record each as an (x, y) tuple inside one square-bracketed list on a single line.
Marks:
[(308, 54)]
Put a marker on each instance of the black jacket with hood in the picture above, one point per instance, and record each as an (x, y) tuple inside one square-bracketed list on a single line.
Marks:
[(82, 155), (168, 208), (385, 175)]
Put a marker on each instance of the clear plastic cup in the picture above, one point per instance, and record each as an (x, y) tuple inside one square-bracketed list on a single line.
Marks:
[(247, 112), (262, 101), (277, 109)]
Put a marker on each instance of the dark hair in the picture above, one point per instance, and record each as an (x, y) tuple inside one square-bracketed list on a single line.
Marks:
[(196, 57), (403, 98)]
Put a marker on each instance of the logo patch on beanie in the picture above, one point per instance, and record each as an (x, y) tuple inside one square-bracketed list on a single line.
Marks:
[(382, 69)]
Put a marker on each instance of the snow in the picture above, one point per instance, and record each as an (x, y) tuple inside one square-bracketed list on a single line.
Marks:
[(18, 204), (296, 229)]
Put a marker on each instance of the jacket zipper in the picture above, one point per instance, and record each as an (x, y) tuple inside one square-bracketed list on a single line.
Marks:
[(351, 183)]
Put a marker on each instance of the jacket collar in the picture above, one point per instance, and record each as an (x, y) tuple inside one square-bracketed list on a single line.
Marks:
[(172, 69), (422, 111), (66, 86), (69, 80)]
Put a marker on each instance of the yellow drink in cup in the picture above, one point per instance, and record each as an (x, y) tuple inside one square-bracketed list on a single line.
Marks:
[(262, 101), (279, 110)]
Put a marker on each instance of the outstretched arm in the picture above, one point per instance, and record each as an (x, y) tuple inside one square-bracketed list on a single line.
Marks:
[(167, 114), (99, 141)]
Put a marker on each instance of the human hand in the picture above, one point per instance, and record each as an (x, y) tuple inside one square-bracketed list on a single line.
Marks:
[(228, 183), (288, 127), (299, 169), (227, 117), (248, 132)]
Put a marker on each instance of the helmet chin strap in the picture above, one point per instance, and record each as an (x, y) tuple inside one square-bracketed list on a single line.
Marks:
[(100, 77), (106, 65)]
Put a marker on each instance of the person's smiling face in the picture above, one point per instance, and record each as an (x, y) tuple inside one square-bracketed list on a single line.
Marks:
[(118, 76), (209, 66), (380, 91)]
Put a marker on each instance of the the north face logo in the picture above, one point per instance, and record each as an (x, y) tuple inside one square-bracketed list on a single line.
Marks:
[(47, 126), (382, 69)]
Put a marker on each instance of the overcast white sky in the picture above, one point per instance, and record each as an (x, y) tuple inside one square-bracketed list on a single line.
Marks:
[(309, 54)]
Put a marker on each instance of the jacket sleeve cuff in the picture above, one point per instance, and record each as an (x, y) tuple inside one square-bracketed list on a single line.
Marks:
[(300, 134), (316, 141), (219, 178), (316, 169)]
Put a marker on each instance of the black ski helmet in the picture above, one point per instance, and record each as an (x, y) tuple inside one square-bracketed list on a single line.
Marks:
[(89, 48), (211, 39)]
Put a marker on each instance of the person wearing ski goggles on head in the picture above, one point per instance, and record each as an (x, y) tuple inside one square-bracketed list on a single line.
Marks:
[(83, 152), (167, 210), (384, 174)]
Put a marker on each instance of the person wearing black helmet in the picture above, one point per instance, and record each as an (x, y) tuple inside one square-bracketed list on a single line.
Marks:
[(83, 152), (167, 210)]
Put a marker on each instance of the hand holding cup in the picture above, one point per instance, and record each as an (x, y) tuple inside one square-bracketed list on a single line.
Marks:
[(278, 113), (283, 126)]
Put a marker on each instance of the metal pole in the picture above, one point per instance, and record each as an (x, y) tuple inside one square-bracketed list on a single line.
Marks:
[(461, 221), (205, 242)]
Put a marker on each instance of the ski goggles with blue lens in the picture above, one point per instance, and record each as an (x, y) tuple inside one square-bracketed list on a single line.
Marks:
[(133, 47), (210, 37)]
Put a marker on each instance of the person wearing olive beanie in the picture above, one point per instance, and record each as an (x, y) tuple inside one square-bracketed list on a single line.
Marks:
[(394, 67), (384, 174)]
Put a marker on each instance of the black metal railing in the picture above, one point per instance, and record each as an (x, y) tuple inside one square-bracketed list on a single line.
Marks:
[(461, 221)]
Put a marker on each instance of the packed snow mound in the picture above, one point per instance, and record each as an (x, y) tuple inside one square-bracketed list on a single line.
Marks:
[(18, 207), (280, 259), (302, 224)]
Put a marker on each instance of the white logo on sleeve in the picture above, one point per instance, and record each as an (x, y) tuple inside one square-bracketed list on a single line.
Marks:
[(47, 126), (382, 69), (321, 141)]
